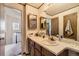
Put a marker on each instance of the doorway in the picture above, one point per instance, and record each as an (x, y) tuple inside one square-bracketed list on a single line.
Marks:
[(11, 31)]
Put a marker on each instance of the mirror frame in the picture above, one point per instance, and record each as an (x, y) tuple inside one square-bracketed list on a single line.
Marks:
[(42, 28), (32, 26)]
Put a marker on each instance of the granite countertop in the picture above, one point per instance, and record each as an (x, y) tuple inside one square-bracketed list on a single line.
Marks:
[(56, 49)]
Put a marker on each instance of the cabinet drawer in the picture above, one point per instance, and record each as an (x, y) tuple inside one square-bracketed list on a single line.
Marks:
[(37, 53), (30, 46), (32, 51), (45, 52), (38, 47), (64, 53), (77, 54), (30, 42)]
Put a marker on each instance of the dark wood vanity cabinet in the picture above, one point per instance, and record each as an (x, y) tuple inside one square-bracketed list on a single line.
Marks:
[(37, 53), (64, 53), (37, 50), (73, 53), (31, 47), (45, 52)]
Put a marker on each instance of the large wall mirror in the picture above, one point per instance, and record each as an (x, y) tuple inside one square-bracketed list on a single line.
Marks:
[(70, 26), (32, 21), (54, 26)]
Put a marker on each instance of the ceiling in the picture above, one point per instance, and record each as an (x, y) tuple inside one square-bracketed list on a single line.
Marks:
[(53, 8), (56, 8), (36, 5)]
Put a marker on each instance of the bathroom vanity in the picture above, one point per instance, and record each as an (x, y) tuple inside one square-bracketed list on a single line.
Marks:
[(39, 46), (37, 50)]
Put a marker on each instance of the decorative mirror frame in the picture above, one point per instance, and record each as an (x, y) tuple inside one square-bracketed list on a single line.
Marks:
[(32, 23), (42, 25)]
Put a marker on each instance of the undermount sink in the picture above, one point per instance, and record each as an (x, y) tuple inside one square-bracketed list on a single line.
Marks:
[(50, 43)]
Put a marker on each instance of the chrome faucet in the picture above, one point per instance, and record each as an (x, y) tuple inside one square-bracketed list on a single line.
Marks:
[(60, 37)]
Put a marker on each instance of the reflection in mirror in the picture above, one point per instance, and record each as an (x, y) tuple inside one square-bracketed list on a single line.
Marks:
[(48, 26), (42, 23), (70, 26), (54, 26), (45, 24)]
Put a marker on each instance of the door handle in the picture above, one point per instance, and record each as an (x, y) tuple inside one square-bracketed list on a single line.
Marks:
[(1, 38)]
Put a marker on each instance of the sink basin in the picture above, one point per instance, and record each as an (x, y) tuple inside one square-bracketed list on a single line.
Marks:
[(50, 43)]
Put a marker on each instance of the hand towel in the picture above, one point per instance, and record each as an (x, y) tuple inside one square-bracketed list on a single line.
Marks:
[(68, 28)]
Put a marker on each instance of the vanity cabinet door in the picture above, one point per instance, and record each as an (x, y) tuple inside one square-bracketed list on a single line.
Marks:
[(64, 53), (73, 53), (55, 26), (32, 51), (38, 47), (31, 47), (37, 52), (77, 54), (45, 52)]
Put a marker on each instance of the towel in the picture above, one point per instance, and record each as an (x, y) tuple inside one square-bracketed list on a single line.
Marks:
[(68, 28)]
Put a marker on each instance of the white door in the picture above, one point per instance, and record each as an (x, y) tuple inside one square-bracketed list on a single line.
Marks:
[(13, 31)]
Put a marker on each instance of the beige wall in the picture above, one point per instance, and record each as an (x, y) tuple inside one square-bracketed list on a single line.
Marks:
[(30, 10), (39, 13), (60, 15)]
